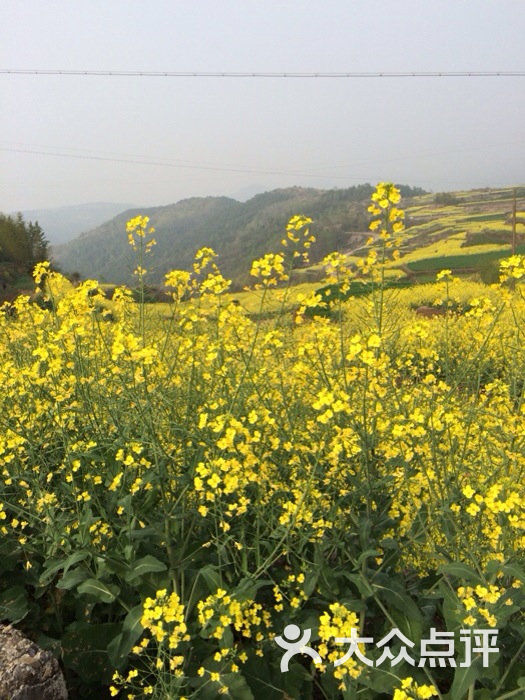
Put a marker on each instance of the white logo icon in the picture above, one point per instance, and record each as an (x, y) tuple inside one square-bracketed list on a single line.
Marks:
[(295, 644)]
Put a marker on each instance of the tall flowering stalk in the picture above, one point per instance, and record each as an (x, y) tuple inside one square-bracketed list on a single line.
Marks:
[(386, 228), (137, 230)]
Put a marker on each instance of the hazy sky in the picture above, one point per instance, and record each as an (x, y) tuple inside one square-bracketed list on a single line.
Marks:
[(439, 133)]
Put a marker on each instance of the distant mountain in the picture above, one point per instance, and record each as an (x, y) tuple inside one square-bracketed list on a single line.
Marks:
[(64, 223), (238, 232)]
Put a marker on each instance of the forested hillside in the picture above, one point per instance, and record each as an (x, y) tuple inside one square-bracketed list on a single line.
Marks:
[(237, 231), (22, 244)]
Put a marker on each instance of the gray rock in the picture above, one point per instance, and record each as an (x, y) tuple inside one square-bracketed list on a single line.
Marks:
[(26, 671)]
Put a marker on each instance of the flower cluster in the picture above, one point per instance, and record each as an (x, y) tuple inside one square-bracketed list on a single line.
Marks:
[(137, 229), (512, 268), (410, 690), (336, 623)]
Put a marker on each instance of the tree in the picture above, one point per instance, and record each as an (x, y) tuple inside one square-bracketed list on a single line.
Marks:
[(22, 242), (37, 242)]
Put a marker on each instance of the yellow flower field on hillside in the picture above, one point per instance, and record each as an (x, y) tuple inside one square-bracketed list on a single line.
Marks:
[(179, 487)]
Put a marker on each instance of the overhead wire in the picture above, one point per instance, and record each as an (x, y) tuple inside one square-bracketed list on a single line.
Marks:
[(261, 74), (184, 166)]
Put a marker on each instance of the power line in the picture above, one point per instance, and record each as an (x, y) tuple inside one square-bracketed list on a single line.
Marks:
[(169, 164), (118, 155), (187, 166), (308, 171), (263, 74)]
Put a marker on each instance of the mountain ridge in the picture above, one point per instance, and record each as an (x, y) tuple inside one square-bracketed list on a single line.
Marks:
[(238, 232)]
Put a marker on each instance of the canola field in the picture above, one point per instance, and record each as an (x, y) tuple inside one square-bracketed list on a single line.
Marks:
[(184, 493)]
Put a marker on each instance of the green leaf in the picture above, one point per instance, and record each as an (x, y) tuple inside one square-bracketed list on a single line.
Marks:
[(365, 527), (492, 568), (355, 604), (394, 594), (211, 576), (381, 681), (237, 686), (146, 565), (72, 578), (515, 570), (84, 650), (461, 571), (114, 566), (118, 650), (463, 679), (295, 680), (367, 554), (98, 590), (265, 679), (122, 644), (484, 694), (410, 626), (63, 564), (350, 693), (311, 583), (248, 587), (14, 604), (451, 609), (362, 586), (226, 641), (8, 560)]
